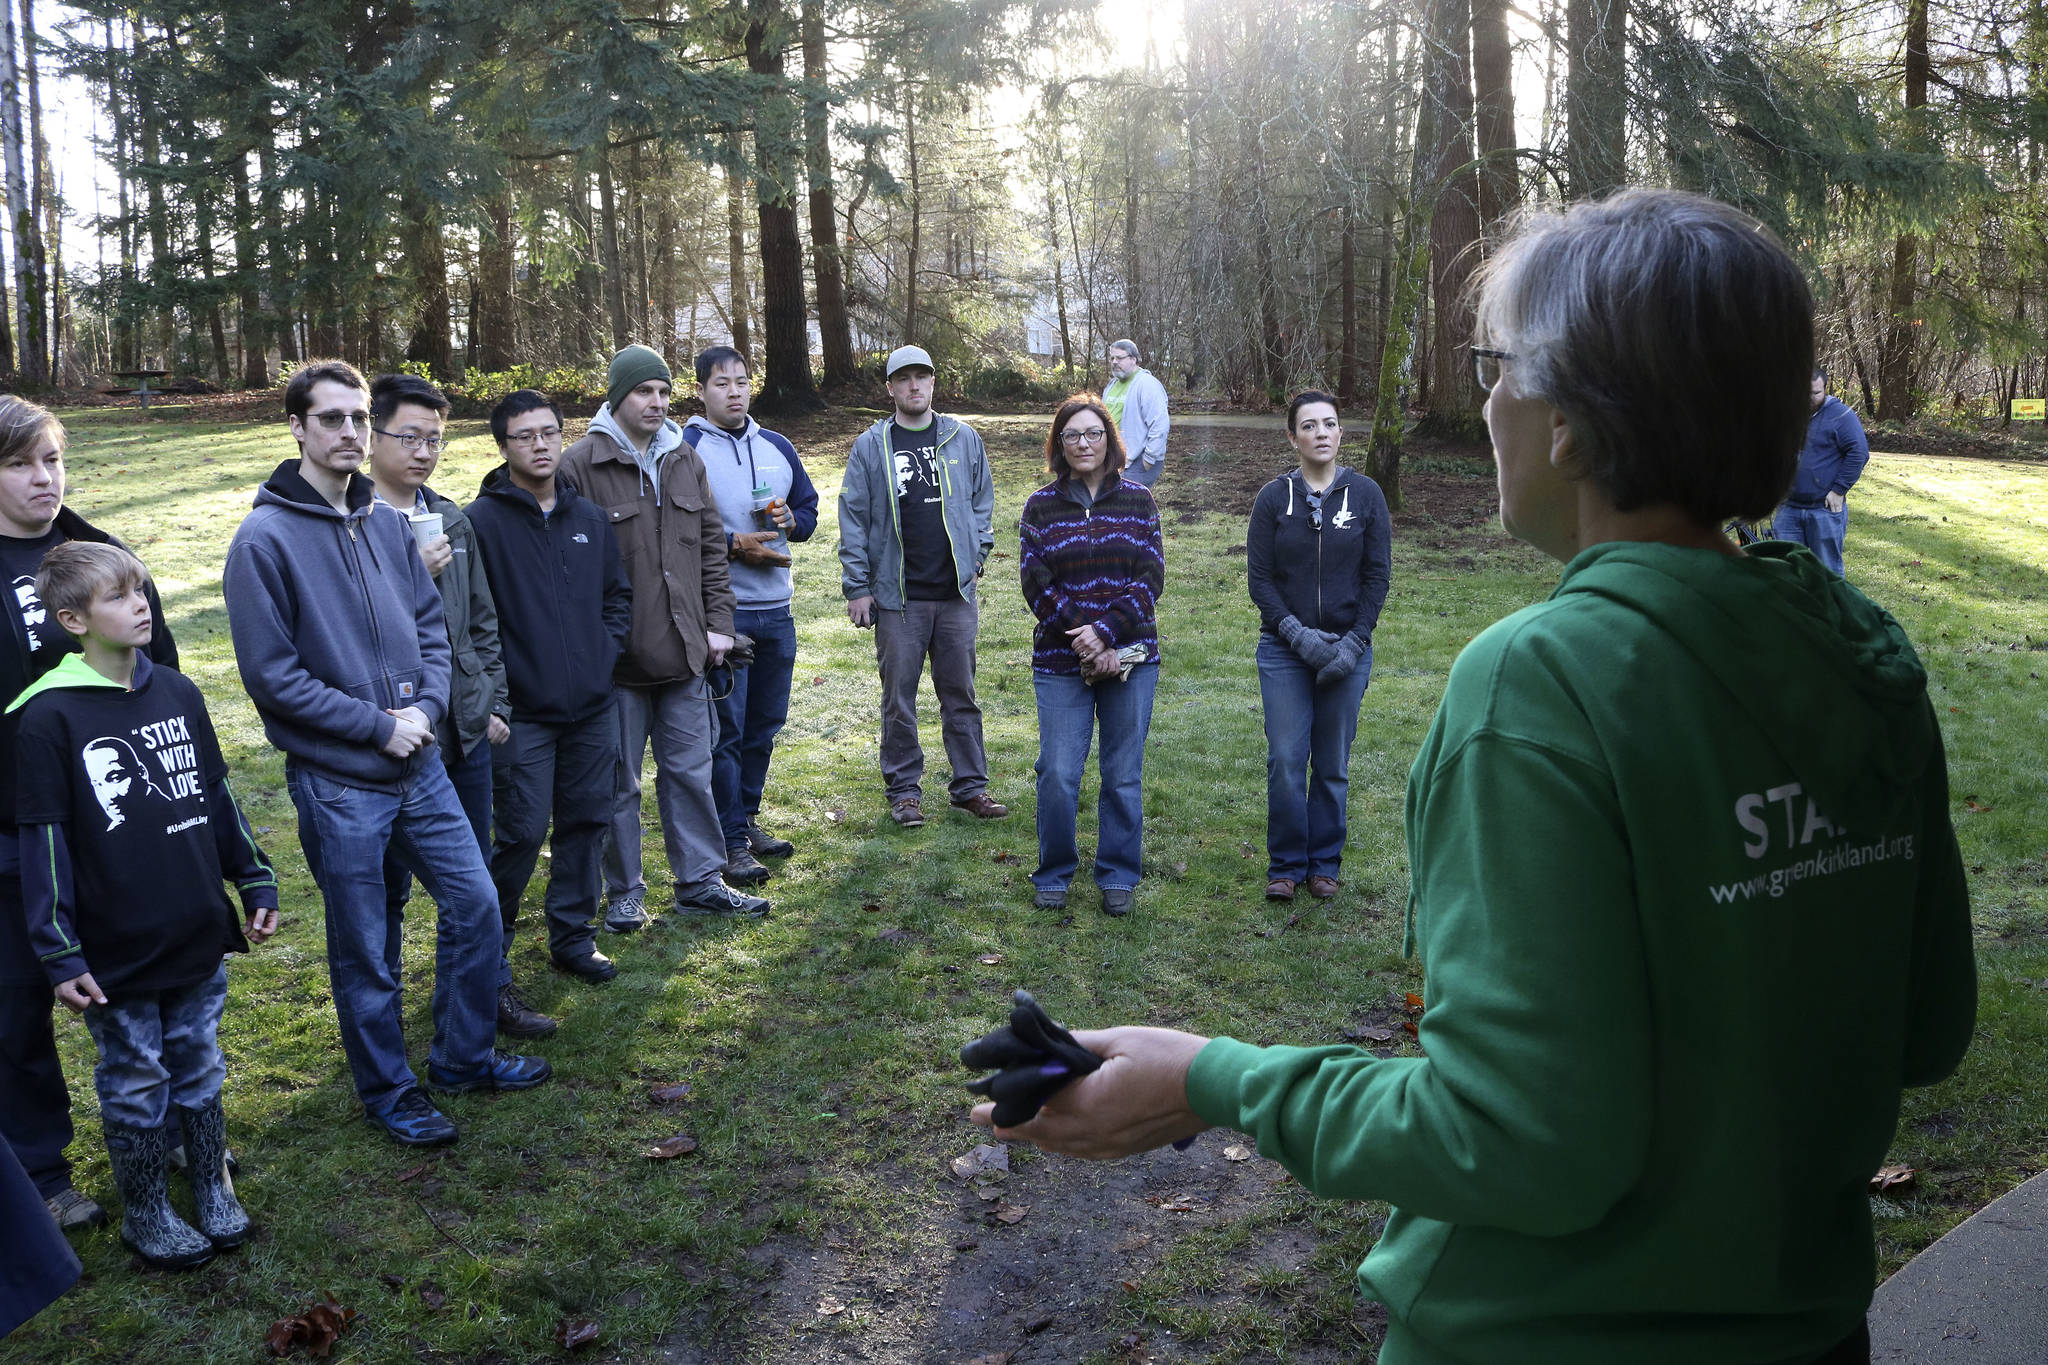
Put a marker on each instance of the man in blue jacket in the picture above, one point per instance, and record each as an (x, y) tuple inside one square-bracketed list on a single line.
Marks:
[(342, 646), (1816, 512), (564, 608), (768, 503)]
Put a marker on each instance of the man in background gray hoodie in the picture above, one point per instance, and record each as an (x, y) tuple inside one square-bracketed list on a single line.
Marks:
[(634, 463)]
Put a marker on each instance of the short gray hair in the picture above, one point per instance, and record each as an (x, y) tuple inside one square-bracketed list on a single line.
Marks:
[(1128, 346), (1674, 333)]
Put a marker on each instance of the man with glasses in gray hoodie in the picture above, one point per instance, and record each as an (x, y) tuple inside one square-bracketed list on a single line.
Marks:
[(634, 463)]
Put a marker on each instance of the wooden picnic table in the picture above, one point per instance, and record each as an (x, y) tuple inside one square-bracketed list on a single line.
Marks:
[(141, 390)]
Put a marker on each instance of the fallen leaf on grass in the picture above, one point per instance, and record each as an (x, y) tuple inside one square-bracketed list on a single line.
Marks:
[(393, 1281), (1184, 1203), (1977, 807), (1412, 1002), (836, 816), (576, 1333), (1237, 1151), (872, 907), (315, 1329), (1011, 1214), (830, 1307), (896, 936), (1132, 1242), (1892, 1178), (1036, 1325), (989, 1156), (415, 1173), (432, 1295), (668, 1094), (1003, 855), (678, 1145), (1368, 1033), (990, 959), (1413, 1032)]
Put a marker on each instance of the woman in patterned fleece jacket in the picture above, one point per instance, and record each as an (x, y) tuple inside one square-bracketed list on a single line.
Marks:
[(1093, 569)]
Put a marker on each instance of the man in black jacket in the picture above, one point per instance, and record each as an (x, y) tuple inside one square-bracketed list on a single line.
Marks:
[(35, 1108), (564, 609)]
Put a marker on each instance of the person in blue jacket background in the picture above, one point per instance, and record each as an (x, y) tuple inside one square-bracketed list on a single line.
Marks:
[(1816, 512)]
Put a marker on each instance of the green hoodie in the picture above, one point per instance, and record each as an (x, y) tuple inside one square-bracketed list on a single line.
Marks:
[(1691, 912)]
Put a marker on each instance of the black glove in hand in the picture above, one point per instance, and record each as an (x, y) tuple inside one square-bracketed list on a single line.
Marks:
[(1343, 661), (1033, 1057)]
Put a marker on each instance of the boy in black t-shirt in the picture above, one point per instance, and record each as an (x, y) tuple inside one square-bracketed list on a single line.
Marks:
[(127, 831)]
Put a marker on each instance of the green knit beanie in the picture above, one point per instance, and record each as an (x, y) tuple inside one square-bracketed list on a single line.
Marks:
[(631, 368)]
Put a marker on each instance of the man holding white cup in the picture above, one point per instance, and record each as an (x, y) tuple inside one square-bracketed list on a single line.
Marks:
[(407, 434)]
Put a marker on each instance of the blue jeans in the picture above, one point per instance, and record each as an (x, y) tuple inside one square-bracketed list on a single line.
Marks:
[(157, 1047), (1818, 529), (750, 718), (1069, 711), (471, 778), (1137, 471), (345, 832), (1309, 730)]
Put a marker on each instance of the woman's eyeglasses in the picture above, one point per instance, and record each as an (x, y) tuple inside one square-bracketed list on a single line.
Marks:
[(1076, 438), (1486, 366)]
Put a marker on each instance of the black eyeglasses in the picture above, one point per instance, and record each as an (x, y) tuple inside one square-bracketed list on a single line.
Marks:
[(524, 438), (1075, 437), (1486, 366), (410, 440)]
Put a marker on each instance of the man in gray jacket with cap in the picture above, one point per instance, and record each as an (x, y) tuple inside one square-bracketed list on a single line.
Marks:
[(916, 523)]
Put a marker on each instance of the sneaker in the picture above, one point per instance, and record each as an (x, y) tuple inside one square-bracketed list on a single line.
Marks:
[(593, 967), (1116, 900), (517, 1019), (908, 812), (504, 1071), (73, 1210), (762, 844), (626, 914), (714, 897), (413, 1120), (742, 868), (982, 806), (1049, 898)]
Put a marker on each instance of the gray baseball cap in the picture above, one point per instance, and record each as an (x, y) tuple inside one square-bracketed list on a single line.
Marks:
[(905, 356)]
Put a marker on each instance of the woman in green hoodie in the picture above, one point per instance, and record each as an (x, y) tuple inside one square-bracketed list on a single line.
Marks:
[(1683, 942)]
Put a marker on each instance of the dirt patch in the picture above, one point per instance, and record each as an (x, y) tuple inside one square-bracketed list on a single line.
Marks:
[(1052, 1288)]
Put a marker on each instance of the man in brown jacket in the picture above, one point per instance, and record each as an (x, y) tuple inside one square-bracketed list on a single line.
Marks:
[(634, 463)]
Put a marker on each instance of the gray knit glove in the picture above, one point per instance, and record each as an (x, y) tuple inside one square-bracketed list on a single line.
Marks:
[(1313, 647), (1343, 661)]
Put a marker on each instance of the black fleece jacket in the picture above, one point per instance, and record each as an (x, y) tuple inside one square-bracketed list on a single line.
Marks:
[(1329, 571), (564, 603)]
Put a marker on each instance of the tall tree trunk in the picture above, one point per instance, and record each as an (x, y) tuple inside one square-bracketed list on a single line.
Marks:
[(1134, 294), (160, 268), (1493, 80), (427, 253), (249, 326), (588, 287), (1896, 400), (643, 289), (665, 272), (1352, 176), (736, 245), (278, 269), (42, 191), (614, 275), (1454, 224), (1596, 97), (215, 329), (835, 328), (787, 385), (492, 313), (28, 299), (916, 216)]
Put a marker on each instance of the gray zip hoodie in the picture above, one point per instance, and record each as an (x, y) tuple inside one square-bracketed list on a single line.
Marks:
[(870, 534), (336, 622)]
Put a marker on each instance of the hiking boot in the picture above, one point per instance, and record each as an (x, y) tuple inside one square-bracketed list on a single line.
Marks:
[(222, 1218), (714, 897), (593, 967), (73, 1210), (762, 844), (503, 1071), (413, 1121), (742, 868), (1280, 889), (1049, 898), (1322, 888), (626, 914), (982, 806), (150, 1227), (1116, 900), (517, 1019), (908, 812)]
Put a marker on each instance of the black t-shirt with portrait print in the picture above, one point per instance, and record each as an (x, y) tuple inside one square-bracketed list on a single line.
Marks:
[(929, 574), (19, 560)]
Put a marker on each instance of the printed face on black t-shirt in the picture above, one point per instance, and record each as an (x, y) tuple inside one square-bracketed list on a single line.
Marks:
[(916, 461), (19, 560)]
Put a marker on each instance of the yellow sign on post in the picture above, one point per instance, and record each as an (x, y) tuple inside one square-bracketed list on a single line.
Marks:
[(2029, 409)]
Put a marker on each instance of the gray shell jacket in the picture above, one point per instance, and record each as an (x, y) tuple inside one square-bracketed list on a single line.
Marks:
[(476, 678), (870, 533)]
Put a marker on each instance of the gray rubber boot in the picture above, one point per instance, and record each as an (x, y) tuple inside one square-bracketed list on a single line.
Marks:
[(150, 1227), (221, 1216)]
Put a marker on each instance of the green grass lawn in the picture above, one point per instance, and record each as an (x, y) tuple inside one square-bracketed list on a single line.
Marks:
[(818, 1042)]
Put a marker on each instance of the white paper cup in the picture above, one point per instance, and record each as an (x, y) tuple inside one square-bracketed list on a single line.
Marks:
[(425, 526)]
